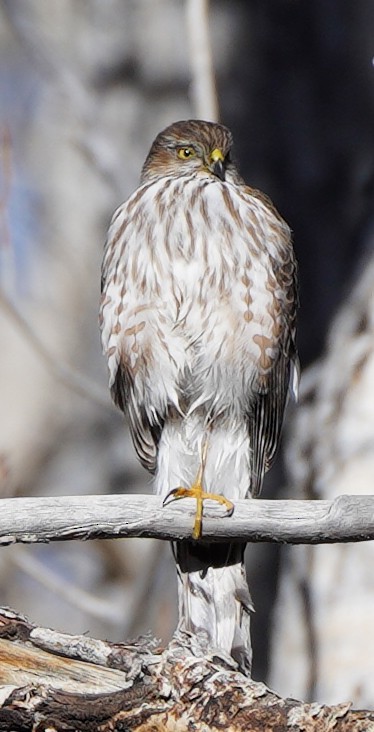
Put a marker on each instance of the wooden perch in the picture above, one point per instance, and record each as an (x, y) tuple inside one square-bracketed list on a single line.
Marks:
[(52, 681), (30, 520)]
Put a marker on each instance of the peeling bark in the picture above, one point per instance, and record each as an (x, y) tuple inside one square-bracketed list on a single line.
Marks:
[(53, 681)]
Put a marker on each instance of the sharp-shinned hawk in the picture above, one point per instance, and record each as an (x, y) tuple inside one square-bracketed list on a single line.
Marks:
[(198, 325)]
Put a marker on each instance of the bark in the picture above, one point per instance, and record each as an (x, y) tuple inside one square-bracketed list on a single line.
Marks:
[(40, 520), (60, 682)]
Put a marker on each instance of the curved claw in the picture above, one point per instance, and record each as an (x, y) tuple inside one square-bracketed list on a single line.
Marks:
[(176, 494)]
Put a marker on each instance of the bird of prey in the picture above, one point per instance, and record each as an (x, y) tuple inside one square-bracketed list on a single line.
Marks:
[(198, 312)]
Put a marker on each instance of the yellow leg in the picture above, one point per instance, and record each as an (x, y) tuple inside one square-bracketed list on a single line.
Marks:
[(196, 491)]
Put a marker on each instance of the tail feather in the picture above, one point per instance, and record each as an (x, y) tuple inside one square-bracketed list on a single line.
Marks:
[(214, 596)]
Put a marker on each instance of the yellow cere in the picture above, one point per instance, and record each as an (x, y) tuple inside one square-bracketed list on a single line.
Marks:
[(186, 152), (216, 155)]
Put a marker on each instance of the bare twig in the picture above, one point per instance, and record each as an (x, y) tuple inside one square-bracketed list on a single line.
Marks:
[(60, 74), (203, 86), (142, 589), (7, 268), (68, 376), (77, 597), (29, 520), (5, 181)]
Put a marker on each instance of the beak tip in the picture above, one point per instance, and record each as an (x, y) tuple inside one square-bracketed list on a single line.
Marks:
[(219, 169)]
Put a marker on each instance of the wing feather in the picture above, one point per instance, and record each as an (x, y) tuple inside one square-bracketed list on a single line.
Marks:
[(113, 322), (145, 436), (265, 422), (266, 413)]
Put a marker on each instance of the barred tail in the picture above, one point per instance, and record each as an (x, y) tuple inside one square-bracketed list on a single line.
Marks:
[(214, 596)]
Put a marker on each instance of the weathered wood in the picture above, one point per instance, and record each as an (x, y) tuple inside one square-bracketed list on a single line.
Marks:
[(109, 687), (31, 520)]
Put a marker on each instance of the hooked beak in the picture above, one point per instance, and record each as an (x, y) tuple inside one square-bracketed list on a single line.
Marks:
[(217, 161)]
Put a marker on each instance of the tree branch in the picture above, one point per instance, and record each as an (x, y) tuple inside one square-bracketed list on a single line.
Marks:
[(60, 682), (32, 520)]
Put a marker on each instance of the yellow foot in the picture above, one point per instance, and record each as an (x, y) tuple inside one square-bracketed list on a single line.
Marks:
[(196, 491)]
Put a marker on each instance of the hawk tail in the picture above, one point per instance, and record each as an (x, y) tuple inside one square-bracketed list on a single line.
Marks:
[(214, 597)]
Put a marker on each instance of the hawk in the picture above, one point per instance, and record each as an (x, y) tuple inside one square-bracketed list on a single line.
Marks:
[(198, 318)]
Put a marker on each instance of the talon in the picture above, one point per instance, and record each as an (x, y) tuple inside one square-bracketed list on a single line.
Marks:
[(176, 494), (197, 492)]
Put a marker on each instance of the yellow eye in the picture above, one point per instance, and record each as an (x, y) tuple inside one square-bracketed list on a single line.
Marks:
[(185, 152)]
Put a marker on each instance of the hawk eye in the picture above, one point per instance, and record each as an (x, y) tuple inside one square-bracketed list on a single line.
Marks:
[(185, 152)]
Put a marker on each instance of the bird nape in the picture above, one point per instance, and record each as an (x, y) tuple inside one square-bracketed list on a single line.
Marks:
[(198, 317)]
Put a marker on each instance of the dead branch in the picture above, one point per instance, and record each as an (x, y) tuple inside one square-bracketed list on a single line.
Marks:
[(92, 605), (203, 85), (55, 681), (68, 376), (35, 520)]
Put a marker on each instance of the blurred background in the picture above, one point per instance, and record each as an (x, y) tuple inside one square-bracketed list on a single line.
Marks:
[(85, 86)]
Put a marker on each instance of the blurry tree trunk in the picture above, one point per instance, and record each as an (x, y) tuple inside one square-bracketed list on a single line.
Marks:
[(324, 617)]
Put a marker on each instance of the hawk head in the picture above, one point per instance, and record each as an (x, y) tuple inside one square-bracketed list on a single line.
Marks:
[(191, 148)]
